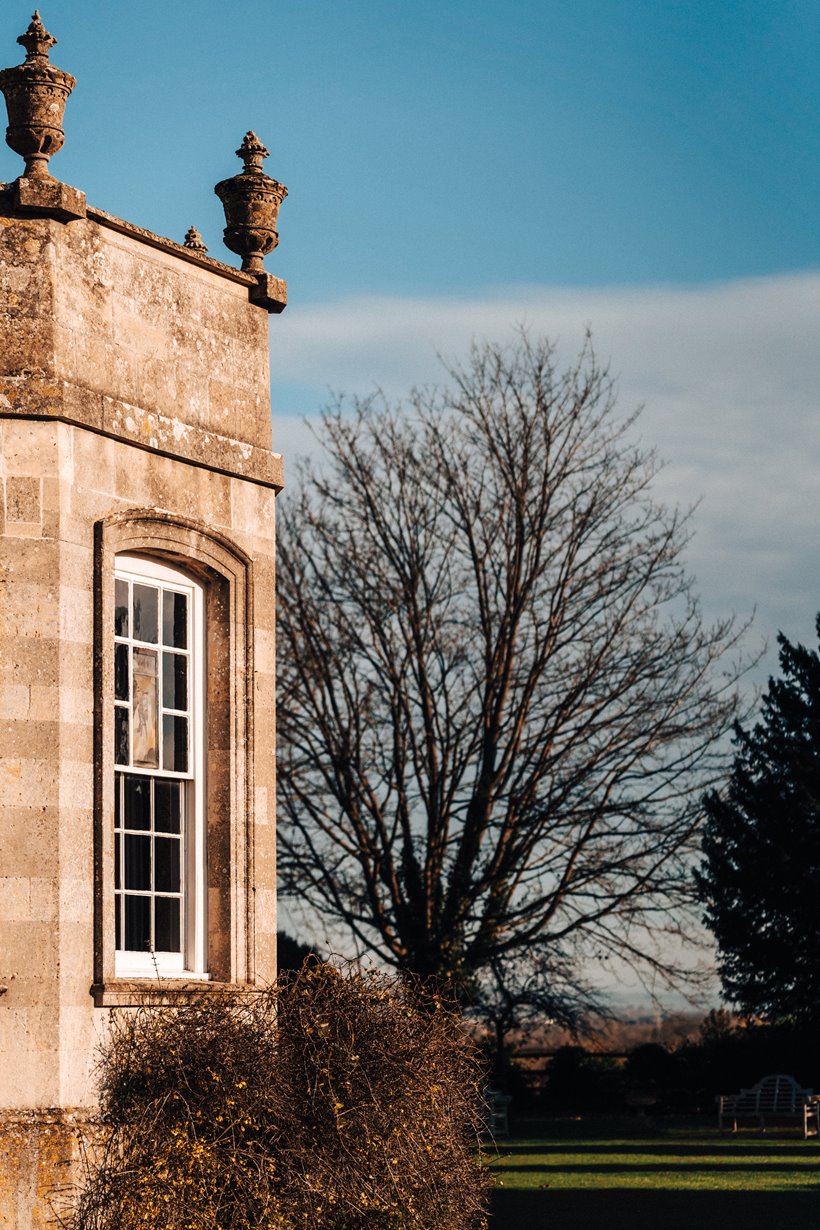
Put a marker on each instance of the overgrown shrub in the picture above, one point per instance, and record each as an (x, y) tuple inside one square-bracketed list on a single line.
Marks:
[(343, 1101)]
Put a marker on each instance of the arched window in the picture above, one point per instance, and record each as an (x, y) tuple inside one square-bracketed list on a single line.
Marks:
[(160, 868), (175, 737)]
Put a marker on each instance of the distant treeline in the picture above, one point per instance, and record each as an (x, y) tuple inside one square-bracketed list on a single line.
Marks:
[(653, 1078)]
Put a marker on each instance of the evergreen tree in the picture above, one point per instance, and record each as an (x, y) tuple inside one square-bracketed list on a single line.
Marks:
[(760, 879)]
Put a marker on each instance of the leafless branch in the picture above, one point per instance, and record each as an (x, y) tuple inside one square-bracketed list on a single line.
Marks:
[(499, 703)]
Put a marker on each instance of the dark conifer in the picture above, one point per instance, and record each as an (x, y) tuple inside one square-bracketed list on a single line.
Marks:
[(760, 879)]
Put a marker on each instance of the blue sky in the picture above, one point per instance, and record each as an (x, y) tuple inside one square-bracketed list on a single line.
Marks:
[(457, 169), (446, 147)]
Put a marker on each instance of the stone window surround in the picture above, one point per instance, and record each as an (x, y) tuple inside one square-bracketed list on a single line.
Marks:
[(226, 572)]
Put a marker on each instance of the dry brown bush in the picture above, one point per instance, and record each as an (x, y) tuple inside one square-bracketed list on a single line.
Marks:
[(345, 1100)]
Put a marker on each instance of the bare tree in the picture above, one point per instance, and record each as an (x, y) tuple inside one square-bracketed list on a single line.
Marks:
[(499, 704)]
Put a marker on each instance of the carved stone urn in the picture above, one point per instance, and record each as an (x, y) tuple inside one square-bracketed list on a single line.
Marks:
[(251, 202), (36, 94)]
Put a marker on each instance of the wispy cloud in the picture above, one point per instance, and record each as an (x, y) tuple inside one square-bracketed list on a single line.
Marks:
[(729, 375)]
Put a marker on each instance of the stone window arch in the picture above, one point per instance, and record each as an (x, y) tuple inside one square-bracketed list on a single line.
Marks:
[(221, 572)]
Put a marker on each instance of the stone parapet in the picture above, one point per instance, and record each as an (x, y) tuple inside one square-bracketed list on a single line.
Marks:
[(110, 327), (51, 198), (264, 284)]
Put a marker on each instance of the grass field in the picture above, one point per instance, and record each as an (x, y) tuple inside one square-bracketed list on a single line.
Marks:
[(568, 1175)]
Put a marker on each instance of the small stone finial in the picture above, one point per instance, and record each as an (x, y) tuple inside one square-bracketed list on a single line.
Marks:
[(252, 151), (36, 93), (193, 240), (37, 40), (251, 201)]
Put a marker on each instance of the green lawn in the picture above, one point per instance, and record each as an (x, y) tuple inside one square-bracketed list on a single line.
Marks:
[(571, 1175)]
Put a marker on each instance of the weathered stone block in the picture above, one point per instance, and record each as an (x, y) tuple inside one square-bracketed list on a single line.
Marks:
[(27, 842), (48, 197), (23, 501), (270, 293)]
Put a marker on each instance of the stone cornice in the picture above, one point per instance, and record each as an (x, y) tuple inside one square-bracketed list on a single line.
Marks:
[(203, 449)]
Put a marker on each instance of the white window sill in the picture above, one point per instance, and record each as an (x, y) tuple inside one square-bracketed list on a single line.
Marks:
[(136, 973)]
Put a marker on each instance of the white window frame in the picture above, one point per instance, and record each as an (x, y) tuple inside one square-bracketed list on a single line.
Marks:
[(192, 961)]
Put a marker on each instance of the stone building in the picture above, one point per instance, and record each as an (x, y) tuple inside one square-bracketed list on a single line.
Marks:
[(137, 491)]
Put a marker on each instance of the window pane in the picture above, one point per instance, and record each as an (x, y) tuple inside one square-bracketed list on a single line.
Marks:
[(137, 802), (121, 608), (174, 681), (175, 743), (118, 924), (137, 862), (175, 620), (145, 707), (146, 613), (121, 736), (166, 865), (121, 672), (137, 924), (166, 807), (166, 924), (117, 840)]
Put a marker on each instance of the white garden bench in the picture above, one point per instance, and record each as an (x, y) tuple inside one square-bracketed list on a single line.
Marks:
[(774, 1099)]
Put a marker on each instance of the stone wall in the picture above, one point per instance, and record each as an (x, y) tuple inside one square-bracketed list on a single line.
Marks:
[(40, 1160), (134, 414)]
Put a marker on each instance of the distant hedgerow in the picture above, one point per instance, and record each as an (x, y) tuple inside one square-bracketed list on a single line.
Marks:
[(344, 1100)]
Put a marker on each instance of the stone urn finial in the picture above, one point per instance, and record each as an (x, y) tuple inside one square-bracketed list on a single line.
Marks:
[(251, 202), (36, 94)]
